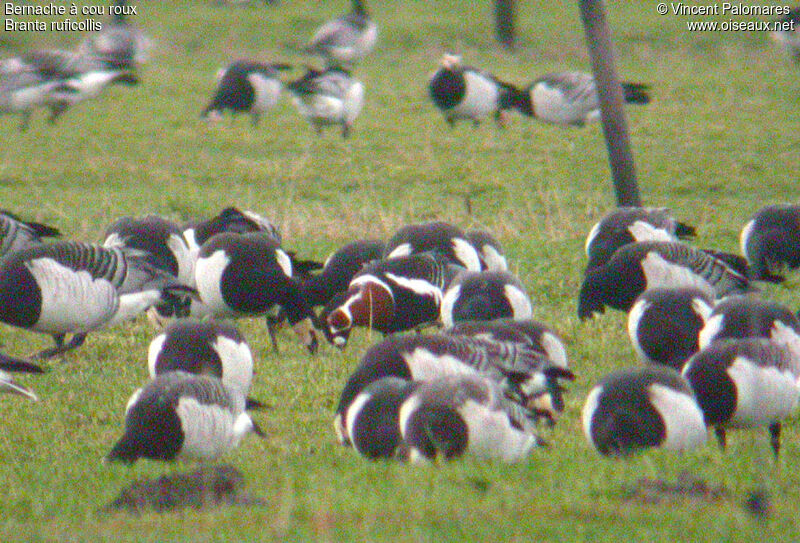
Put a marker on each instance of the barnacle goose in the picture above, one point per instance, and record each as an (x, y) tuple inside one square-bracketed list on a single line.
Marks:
[(119, 44), (664, 324), (533, 334), (527, 376), (464, 92), (328, 97), (17, 234), (161, 239), (249, 274), (441, 238), (183, 416), (484, 295), (644, 265), (489, 250), (372, 417), (347, 39), (745, 383), (463, 414), (751, 316), (69, 287), (771, 240), (203, 348), (637, 408), (569, 98), (55, 79), (629, 224), (246, 87)]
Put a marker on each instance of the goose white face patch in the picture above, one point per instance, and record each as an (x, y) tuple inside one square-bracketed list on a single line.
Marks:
[(466, 254), (710, 330), (589, 407), (683, 420), (208, 278), (284, 262), (590, 238), (180, 250), (448, 302), (237, 363), (352, 414), (480, 99), (519, 301), (634, 317), (659, 272), (744, 237), (404, 249), (493, 259), (555, 350), (644, 231), (114, 240), (153, 351)]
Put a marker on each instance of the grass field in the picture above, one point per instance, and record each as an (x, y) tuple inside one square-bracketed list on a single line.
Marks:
[(718, 142)]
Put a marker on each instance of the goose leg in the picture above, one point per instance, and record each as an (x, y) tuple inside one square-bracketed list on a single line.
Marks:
[(272, 327), (61, 348), (775, 437), (721, 437)]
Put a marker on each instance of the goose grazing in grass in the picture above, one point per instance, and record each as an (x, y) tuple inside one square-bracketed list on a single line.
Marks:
[(69, 287), (771, 240), (392, 295), (488, 295), (372, 418), (119, 44), (529, 378), (489, 250), (629, 224), (638, 408), (745, 383), (644, 265), (246, 87), (9, 386), (345, 40), (179, 416), (16, 234), (463, 92), (537, 336), (250, 275), (463, 414), (664, 324), (569, 98), (440, 238), (751, 316), (203, 348), (788, 36), (54, 79), (339, 269), (161, 239), (328, 98)]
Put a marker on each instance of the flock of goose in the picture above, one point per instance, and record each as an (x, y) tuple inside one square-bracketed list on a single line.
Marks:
[(716, 352)]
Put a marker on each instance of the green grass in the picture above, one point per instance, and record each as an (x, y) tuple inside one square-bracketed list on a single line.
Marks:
[(718, 142)]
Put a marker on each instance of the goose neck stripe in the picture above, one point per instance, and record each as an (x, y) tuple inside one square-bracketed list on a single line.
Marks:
[(417, 286)]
